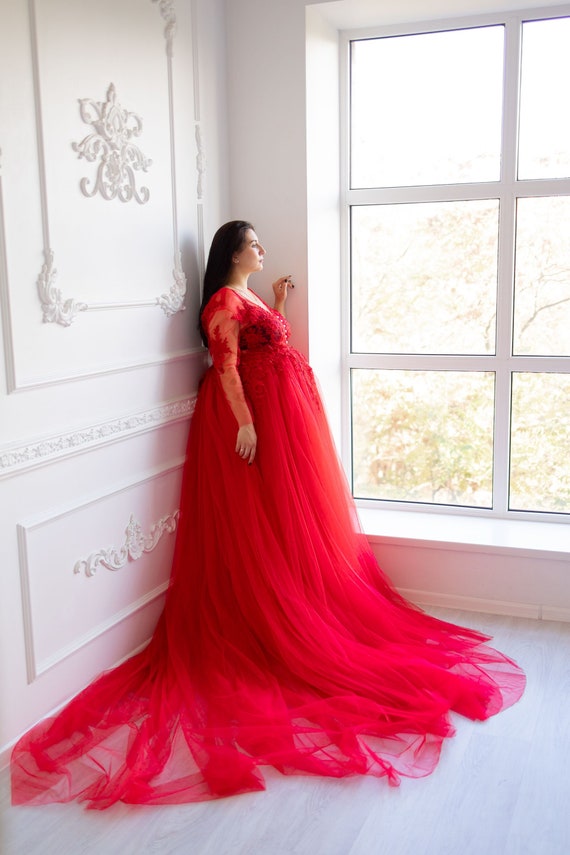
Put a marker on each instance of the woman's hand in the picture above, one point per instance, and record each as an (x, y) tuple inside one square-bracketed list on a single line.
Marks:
[(246, 443), (280, 289)]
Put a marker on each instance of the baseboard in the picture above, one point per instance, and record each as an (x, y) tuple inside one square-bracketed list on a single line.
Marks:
[(493, 607), (554, 613)]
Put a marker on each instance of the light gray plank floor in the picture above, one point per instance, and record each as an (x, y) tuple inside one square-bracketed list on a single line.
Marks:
[(502, 788)]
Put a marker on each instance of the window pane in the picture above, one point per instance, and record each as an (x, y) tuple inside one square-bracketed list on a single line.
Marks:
[(542, 277), (544, 147), (424, 277), (540, 443), (423, 436), (426, 109)]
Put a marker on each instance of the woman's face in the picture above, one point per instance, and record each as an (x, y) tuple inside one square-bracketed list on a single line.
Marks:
[(250, 256)]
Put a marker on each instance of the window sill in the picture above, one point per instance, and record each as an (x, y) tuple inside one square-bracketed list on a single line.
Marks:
[(474, 534)]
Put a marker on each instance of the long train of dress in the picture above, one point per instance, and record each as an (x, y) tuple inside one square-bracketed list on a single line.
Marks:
[(281, 642)]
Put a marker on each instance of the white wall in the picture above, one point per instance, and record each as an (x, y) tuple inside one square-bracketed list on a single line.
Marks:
[(266, 94), (94, 414)]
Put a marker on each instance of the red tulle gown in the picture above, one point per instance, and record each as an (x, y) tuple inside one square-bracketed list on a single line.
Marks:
[(281, 642)]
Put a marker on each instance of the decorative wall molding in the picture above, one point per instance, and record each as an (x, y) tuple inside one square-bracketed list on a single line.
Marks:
[(201, 241), (173, 300), (27, 619), (111, 144), (199, 353), (55, 307), (135, 545), (50, 449), (200, 162), (166, 8), (5, 308)]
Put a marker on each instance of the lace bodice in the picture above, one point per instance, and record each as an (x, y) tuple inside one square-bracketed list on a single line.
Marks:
[(237, 327)]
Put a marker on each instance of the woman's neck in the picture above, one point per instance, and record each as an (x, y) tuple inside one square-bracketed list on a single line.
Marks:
[(238, 284)]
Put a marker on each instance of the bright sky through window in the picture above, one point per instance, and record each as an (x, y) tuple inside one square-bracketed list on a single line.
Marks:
[(425, 108)]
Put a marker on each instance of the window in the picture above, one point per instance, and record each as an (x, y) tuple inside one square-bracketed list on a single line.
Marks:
[(457, 223)]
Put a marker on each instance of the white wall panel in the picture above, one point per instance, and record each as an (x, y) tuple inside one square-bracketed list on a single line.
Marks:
[(86, 568), (95, 265)]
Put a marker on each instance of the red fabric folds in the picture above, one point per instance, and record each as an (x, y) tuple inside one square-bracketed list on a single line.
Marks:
[(281, 642)]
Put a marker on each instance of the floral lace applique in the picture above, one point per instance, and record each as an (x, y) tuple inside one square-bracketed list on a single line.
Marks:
[(223, 336), (239, 331)]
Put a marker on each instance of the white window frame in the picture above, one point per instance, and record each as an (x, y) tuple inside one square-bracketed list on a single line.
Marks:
[(507, 190)]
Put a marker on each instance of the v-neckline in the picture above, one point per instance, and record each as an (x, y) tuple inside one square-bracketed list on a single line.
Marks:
[(241, 291)]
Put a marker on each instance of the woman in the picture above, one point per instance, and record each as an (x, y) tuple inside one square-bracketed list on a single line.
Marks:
[(281, 642)]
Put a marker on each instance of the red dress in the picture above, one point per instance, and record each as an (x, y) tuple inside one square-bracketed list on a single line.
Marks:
[(281, 642)]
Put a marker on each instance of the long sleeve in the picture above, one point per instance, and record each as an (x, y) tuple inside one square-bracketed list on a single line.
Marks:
[(223, 335)]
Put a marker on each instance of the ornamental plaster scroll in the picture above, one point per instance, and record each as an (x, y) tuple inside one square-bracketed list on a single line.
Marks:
[(173, 301), (55, 309), (135, 545), (166, 8), (119, 159), (111, 144)]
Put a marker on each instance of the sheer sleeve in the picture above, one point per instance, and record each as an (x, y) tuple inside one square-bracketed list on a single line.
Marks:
[(223, 333)]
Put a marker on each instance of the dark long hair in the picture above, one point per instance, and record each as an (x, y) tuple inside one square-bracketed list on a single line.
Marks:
[(228, 239)]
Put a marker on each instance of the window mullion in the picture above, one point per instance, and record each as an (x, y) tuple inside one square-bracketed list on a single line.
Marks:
[(502, 438), (346, 292), (506, 262), (511, 98)]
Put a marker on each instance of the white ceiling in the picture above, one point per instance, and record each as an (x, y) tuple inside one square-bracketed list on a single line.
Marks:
[(350, 14)]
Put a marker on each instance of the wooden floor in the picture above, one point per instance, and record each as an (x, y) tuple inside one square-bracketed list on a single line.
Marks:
[(502, 788)]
